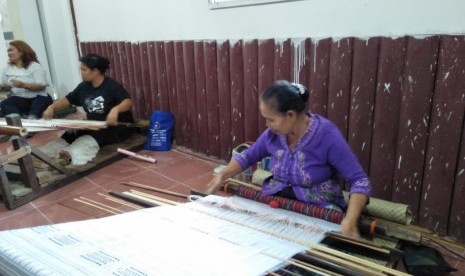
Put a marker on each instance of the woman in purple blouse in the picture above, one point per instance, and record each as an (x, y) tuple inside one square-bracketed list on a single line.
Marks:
[(307, 152)]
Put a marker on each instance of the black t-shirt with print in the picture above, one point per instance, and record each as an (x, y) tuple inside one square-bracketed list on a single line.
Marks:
[(98, 101)]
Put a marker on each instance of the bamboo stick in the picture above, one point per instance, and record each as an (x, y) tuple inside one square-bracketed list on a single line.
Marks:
[(425, 234), (336, 268), (101, 204), (76, 208), (96, 206), (368, 270), (120, 201), (150, 188), (305, 266), (13, 130), (64, 123), (354, 259), (320, 269), (310, 268), (131, 198), (157, 198), (359, 242), (288, 272), (235, 181), (153, 201)]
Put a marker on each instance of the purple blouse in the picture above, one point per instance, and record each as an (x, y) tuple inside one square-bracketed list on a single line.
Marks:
[(312, 168)]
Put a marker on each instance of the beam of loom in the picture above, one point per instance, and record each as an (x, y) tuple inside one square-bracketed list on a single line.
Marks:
[(53, 124), (292, 205)]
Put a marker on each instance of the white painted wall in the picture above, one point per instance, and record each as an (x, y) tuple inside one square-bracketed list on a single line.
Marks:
[(148, 20), (58, 32), (30, 29)]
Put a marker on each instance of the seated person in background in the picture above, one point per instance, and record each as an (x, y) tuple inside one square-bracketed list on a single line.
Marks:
[(25, 79), (307, 152), (103, 99)]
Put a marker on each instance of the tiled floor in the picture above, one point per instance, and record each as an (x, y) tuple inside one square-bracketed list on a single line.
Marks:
[(175, 170)]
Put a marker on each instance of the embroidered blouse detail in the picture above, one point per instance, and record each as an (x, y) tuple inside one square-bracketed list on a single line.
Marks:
[(312, 167)]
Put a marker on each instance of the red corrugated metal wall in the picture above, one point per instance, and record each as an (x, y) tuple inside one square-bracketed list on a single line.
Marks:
[(400, 103)]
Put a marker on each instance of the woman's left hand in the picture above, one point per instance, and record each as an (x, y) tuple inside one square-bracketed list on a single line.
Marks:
[(112, 117), (349, 228)]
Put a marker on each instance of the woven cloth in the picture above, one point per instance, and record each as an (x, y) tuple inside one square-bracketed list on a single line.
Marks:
[(378, 208), (327, 214)]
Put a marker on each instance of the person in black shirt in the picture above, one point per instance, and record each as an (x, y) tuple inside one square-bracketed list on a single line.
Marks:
[(102, 98)]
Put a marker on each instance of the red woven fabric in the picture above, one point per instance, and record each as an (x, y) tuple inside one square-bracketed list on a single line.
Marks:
[(291, 205)]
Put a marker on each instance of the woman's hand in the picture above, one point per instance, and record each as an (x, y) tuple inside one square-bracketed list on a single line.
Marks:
[(216, 181), (18, 83), (48, 113), (349, 225), (112, 117), (230, 170), (5, 87), (349, 228)]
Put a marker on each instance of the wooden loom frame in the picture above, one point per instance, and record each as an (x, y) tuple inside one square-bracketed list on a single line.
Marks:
[(22, 153)]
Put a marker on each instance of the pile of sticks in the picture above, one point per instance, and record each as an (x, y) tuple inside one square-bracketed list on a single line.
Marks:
[(132, 199)]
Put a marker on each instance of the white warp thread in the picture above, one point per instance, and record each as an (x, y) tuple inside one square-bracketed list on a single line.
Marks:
[(168, 241)]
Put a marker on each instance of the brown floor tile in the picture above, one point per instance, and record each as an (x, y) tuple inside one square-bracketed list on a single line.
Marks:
[(174, 187), (24, 219), (4, 212), (180, 189), (160, 157), (75, 188), (147, 177), (93, 204), (58, 213), (184, 169), (200, 182), (164, 158), (116, 171)]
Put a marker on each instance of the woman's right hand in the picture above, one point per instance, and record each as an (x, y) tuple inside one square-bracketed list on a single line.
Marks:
[(230, 170), (216, 181)]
